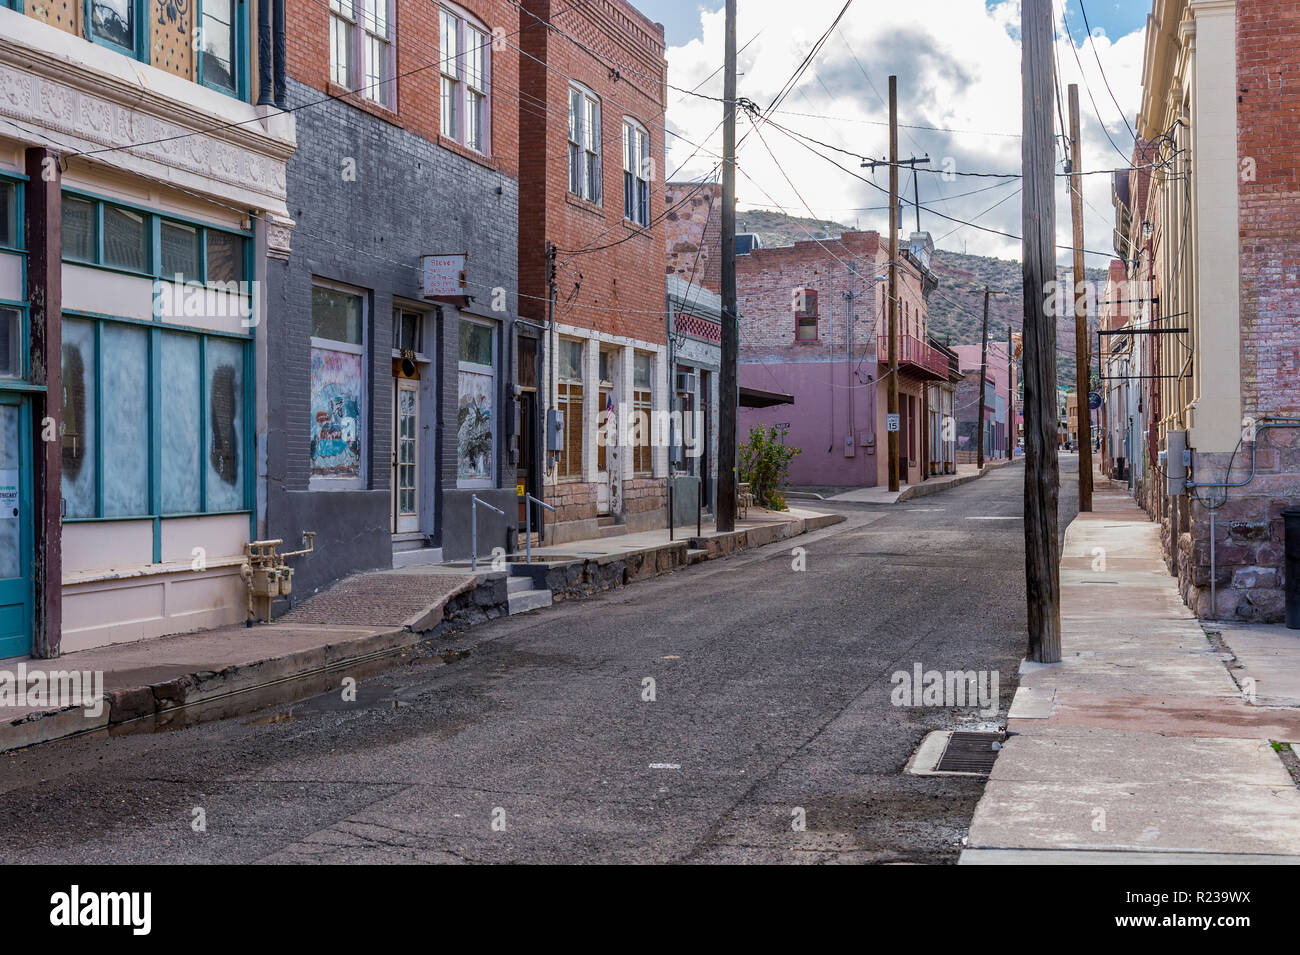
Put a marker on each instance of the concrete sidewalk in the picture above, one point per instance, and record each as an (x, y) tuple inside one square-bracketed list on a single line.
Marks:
[(1140, 747), (357, 625), (883, 495)]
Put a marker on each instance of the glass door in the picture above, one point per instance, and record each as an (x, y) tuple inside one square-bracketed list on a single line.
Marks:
[(406, 457)]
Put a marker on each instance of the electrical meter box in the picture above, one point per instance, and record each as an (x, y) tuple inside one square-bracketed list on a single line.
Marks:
[(555, 430)]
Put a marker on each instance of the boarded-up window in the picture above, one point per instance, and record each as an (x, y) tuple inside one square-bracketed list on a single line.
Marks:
[(181, 430), (224, 388), (78, 419), (526, 373)]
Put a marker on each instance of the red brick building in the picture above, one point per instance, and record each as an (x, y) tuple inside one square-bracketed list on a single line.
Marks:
[(693, 230), (590, 189)]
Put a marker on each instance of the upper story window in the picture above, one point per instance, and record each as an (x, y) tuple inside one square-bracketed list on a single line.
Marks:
[(636, 172), (218, 27), (805, 315), (117, 23), (584, 143), (361, 49), (218, 66), (463, 96)]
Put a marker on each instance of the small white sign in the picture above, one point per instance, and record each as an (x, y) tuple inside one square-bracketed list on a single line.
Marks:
[(444, 276), (8, 493), (891, 422)]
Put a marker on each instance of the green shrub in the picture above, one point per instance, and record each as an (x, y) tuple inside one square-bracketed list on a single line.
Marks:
[(765, 466)]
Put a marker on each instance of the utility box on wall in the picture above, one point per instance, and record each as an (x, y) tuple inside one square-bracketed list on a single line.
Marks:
[(1176, 462), (555, 430)]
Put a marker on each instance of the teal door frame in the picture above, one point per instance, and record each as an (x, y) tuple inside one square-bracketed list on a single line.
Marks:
[(16, 592)]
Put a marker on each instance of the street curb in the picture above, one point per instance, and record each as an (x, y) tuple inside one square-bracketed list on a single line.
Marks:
[(924, 489), (127, 704), (473, 602), (587, 576)]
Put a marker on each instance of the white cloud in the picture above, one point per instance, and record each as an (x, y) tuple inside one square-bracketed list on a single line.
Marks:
[(958, 67)]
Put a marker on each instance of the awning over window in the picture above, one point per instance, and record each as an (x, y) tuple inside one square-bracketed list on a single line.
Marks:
[(754, 398)]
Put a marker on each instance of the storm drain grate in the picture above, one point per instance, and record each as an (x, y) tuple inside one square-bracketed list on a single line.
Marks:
[(970, 753)]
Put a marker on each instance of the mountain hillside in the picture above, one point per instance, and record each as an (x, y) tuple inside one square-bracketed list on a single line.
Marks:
[(957, 306)]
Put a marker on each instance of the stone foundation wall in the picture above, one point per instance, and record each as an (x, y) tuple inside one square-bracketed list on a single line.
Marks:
[(1249, 534)]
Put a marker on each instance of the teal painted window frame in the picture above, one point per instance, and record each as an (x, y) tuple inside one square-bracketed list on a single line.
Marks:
[(142, 10), (155, 514), (141, 51), (154, 225), (240, 63), (19, 182), (27, 529)]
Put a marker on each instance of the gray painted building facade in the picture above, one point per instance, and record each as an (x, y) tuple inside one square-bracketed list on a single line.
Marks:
[(387, 412)]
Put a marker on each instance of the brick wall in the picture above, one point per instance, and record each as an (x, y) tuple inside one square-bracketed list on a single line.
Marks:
[(415, 29), (619, 289), (1249, 536), (693, 232), (767, 280), (1268, 125)]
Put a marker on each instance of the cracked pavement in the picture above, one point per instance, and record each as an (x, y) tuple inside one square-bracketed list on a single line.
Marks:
[(772, 695)]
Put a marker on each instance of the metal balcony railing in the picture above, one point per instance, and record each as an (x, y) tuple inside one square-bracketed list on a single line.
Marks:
[(914, 353)]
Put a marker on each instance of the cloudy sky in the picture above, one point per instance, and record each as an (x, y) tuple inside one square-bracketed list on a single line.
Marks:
[(958, 68)]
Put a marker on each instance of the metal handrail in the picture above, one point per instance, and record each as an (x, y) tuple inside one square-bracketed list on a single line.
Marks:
[(528, 524), (473, 526)]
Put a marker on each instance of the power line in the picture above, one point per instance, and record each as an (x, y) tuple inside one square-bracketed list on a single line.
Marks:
[(1093, 41)]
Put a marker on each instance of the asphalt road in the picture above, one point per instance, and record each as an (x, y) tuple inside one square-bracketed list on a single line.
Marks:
[(771, 695)]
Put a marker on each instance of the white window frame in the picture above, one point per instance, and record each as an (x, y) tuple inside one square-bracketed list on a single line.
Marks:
[(342, 25), (454, 71), (315, 482), (493, 371), (585, 144), (638, 178), (363, 29)]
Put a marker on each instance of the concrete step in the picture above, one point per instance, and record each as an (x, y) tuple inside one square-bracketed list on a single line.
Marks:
[(416, 557), (605, 520), (613, 530), (515, 585), (694, 556), (522, 601)]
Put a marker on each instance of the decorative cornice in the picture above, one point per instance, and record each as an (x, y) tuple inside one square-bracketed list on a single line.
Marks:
[(149, 121)]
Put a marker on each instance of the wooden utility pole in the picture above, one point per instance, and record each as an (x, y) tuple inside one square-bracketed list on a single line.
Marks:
[(1011, 397), (1082, 366), (984, 359), (1042, 477), (729, 395), (984, 364), (892, 405)]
